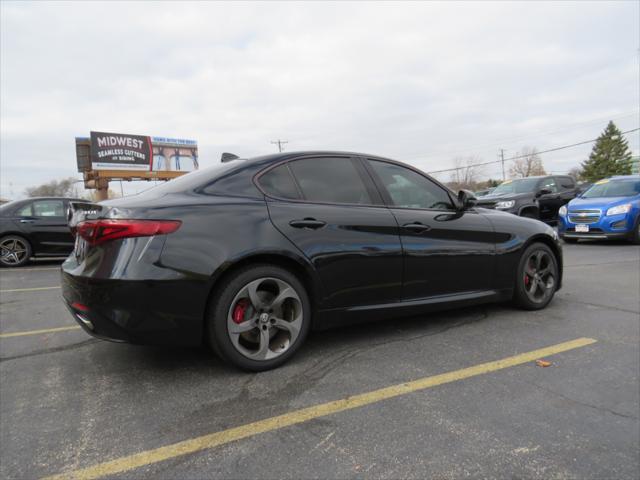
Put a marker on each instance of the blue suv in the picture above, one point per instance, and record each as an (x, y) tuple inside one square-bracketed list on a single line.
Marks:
[(609, 209)]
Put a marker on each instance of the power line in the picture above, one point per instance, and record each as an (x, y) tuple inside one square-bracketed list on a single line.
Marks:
[(555, 149), (510, 140), (279, 143)]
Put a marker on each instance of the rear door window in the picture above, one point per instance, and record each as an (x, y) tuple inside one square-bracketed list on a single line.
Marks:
[(25, 211), (48, 208), (549, 183), (330, 180), (566, 183)]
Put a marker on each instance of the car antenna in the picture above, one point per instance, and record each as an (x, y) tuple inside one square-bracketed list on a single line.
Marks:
[(227, 157)]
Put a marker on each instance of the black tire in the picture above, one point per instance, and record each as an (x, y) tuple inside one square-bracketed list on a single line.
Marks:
[(569, 240), (635, 235), (526, 283), (220, 313), (15, 251)]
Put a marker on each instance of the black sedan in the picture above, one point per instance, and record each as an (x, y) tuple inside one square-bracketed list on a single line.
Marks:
[(34, 227), (249, 255)]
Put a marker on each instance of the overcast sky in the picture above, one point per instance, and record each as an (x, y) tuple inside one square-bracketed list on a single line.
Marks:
[(419, 82)]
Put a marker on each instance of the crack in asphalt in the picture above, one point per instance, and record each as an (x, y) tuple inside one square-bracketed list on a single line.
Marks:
[(606, 307), (50, 350), (584, 404)]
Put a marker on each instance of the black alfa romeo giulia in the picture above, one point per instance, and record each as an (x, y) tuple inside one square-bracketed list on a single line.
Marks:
[(249, 255)]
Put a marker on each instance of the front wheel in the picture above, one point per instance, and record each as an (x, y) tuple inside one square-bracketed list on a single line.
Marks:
[(635, 235), (537, 277), (260, 318)]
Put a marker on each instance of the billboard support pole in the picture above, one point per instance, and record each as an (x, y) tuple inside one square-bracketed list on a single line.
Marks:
[(102, 192)]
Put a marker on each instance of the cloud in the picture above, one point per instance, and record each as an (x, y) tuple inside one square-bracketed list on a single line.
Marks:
[(422, 82)]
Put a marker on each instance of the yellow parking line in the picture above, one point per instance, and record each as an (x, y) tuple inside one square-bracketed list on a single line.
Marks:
[(38, 332), (28, 289), (211, 440)]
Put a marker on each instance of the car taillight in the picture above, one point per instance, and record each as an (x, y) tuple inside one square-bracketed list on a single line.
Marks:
[(96, 232)]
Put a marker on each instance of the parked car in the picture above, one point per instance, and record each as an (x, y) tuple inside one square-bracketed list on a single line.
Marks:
[(250, 254), (34, 227), (532, 197), (610, 209), (483, 193)]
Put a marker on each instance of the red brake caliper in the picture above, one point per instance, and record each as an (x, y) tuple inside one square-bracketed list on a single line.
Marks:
[(239, 310)]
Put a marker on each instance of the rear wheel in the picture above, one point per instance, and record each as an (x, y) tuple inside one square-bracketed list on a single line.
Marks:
[(260, 318), (15, 251), (537, 277)]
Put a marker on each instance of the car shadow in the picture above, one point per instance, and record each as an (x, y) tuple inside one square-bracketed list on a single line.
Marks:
[(326, 346)]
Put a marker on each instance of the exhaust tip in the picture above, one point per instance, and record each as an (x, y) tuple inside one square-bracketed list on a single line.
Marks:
[(85, 321)]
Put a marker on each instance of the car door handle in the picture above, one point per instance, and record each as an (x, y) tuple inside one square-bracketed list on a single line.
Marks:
[(24, 220), (416, 227), (311, 223)]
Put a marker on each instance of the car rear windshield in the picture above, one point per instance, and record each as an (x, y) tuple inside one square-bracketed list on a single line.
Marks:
[(196, 179), (613, 188), (524, 185)]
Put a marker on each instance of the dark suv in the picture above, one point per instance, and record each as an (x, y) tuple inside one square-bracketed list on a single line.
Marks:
[(533, 197)]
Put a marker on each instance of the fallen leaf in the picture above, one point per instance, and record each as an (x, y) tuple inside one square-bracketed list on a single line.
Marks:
[(543, 363)]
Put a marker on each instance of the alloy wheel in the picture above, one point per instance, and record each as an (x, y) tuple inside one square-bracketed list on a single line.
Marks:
[(539, 276), (13, 251), (265, 318)]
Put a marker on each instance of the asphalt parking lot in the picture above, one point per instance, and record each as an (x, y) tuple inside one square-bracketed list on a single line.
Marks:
[(74, 405)]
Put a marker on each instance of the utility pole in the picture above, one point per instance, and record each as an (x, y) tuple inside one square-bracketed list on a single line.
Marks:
[(279, 143), (502, 160)]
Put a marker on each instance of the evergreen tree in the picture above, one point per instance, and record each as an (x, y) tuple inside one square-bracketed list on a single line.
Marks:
[(610, 156)]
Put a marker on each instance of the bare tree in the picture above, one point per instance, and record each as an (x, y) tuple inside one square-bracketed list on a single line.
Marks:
[(92, 195), (576, 172), (466, 174), (65, 187), (527, 164)]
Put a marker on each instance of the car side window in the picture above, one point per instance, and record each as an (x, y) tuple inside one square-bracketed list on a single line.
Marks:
[(566, 183), (278, 182), (330, 180), (48, 208), (409, 189), (25, 211), (549, 183)]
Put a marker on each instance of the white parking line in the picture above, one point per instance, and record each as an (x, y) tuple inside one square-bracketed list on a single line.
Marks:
[(37, 289)]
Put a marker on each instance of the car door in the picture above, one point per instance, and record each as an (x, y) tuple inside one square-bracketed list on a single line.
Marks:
[(45, 222), (325, 207), (549, 203), (445, 251)]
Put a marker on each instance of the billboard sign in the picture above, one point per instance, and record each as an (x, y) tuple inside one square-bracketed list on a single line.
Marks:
[(120, 151)]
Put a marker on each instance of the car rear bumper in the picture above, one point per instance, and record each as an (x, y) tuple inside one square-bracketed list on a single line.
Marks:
[(141, 312)]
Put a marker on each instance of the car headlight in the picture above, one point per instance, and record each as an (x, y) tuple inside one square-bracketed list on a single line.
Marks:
[(617, 210), (505, 204), (563, 211)]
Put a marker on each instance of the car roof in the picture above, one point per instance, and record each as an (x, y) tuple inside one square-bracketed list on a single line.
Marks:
[(282, 156), (625, 177)]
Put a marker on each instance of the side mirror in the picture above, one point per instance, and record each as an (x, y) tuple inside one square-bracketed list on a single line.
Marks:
[(466, 200), (543, 191)]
